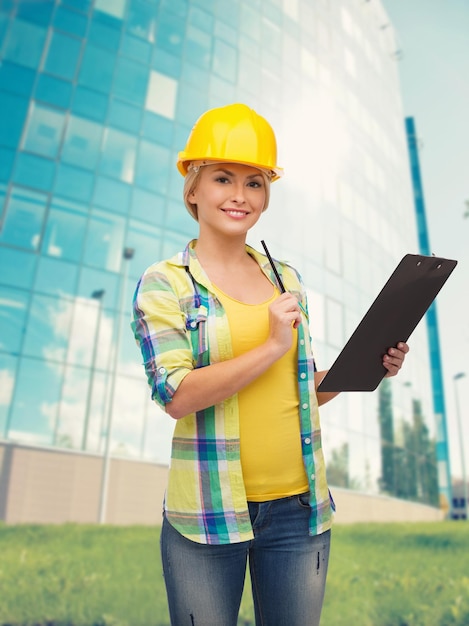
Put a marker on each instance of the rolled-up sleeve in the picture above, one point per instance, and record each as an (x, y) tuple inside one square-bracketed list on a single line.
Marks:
[(159, 327)]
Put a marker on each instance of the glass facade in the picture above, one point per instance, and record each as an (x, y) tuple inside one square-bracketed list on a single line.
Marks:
[(96, 99)]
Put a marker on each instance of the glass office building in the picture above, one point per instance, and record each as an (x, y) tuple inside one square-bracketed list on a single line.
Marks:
[(96, 99)]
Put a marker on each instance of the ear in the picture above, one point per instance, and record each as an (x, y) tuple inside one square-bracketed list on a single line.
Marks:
[(192, 196)]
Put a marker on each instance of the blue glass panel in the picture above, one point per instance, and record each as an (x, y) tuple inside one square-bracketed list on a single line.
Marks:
[(104, 241), (56, 277), (70, 21), (130, 81), (271, 38), (16, 78), (72, 182), (35, 380), (65, 230), (191, 104), (193, 76), (44, 131), (4, 21), (176, 183), (228, 11), (6, 164), (152, 170), (34, 171), (170, 34), (250, 24), (221, 92), (141, 19), (167, 63), (174, 241), (208, 5), (82, 143), (198, 47), (24, 217), (80, 5), (136, 48), (53, 91), (104, 32), (62, 56), (178, 7), (179, 220), (15, 50), (147, 207), (3, 191), (13, 309), (201, 19), (42, 338), (112, 194), (157, 128), (146, 241), (118, 155), (124, 116), (90, 104), (39, 12), (97, 69), (17, 267), (94, 280), (224, 61), (226, 33)]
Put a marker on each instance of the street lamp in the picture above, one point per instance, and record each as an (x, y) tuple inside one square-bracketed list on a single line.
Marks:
[(127, 255), (457, 377), (97, 295)]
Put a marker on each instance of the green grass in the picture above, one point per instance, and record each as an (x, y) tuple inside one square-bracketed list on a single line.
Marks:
[(380, 575)]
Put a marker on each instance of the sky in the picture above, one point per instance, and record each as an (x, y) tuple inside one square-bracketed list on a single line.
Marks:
[(433, 37)]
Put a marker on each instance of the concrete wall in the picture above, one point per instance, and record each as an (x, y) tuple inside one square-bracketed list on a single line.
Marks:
[(46, 485), (353, 506)]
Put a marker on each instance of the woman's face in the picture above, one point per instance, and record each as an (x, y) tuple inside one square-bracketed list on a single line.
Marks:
[(230, 197)]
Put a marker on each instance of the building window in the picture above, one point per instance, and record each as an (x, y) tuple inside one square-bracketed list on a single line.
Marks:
[(161, 95), (44, 131)]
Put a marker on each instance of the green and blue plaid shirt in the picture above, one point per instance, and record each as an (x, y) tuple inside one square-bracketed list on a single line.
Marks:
[(180, 325)]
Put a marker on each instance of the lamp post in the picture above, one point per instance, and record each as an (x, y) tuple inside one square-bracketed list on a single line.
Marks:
[(98, 296), (457, 377), (127, 255)]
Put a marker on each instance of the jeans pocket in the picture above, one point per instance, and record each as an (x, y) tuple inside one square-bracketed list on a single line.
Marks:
[(303, 499)]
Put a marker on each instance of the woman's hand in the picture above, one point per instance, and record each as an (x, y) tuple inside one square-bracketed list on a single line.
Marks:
[(284, 315), (394, 358)]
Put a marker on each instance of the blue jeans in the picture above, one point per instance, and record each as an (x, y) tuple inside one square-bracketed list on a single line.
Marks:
[(204, 583)]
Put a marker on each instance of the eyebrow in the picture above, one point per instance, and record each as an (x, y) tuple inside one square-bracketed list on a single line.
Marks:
[(225, 171)]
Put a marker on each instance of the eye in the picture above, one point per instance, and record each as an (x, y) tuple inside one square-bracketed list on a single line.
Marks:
[(222, 179), (256, 184)]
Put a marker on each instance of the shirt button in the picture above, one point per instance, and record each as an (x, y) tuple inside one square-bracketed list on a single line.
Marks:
[(302, 342), (304, 405), (313, 476), (307, 440), (303, 375), (193, 324), (161, 370)]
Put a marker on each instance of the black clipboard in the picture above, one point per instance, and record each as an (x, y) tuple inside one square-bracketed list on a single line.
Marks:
[(392, 317)]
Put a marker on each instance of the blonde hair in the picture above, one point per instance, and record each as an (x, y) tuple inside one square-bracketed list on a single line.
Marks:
[(192, 178)]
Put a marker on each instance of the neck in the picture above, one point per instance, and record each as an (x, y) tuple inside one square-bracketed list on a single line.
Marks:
[(229, 251)]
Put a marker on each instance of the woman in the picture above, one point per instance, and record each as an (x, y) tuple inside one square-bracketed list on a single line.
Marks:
[(228, 356)]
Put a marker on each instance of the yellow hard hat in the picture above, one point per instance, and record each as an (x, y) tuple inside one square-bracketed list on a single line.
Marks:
[(232, 134)]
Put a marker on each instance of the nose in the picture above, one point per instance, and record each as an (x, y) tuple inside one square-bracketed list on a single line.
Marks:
[(238, 193)]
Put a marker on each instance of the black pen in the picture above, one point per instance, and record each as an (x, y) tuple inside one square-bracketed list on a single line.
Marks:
[(277, 275)]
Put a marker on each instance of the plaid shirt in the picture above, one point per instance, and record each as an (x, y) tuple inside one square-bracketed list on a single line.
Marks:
[(180, 325)]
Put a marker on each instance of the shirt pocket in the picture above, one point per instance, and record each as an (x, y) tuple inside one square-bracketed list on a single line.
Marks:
[(196, 326)]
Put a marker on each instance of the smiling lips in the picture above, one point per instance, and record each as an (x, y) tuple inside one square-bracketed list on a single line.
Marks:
[(235, 212)]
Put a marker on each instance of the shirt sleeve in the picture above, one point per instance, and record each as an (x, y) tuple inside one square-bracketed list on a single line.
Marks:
[(159, 327)]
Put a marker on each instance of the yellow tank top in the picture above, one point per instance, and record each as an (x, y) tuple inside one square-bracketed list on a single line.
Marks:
[(268, 409)]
